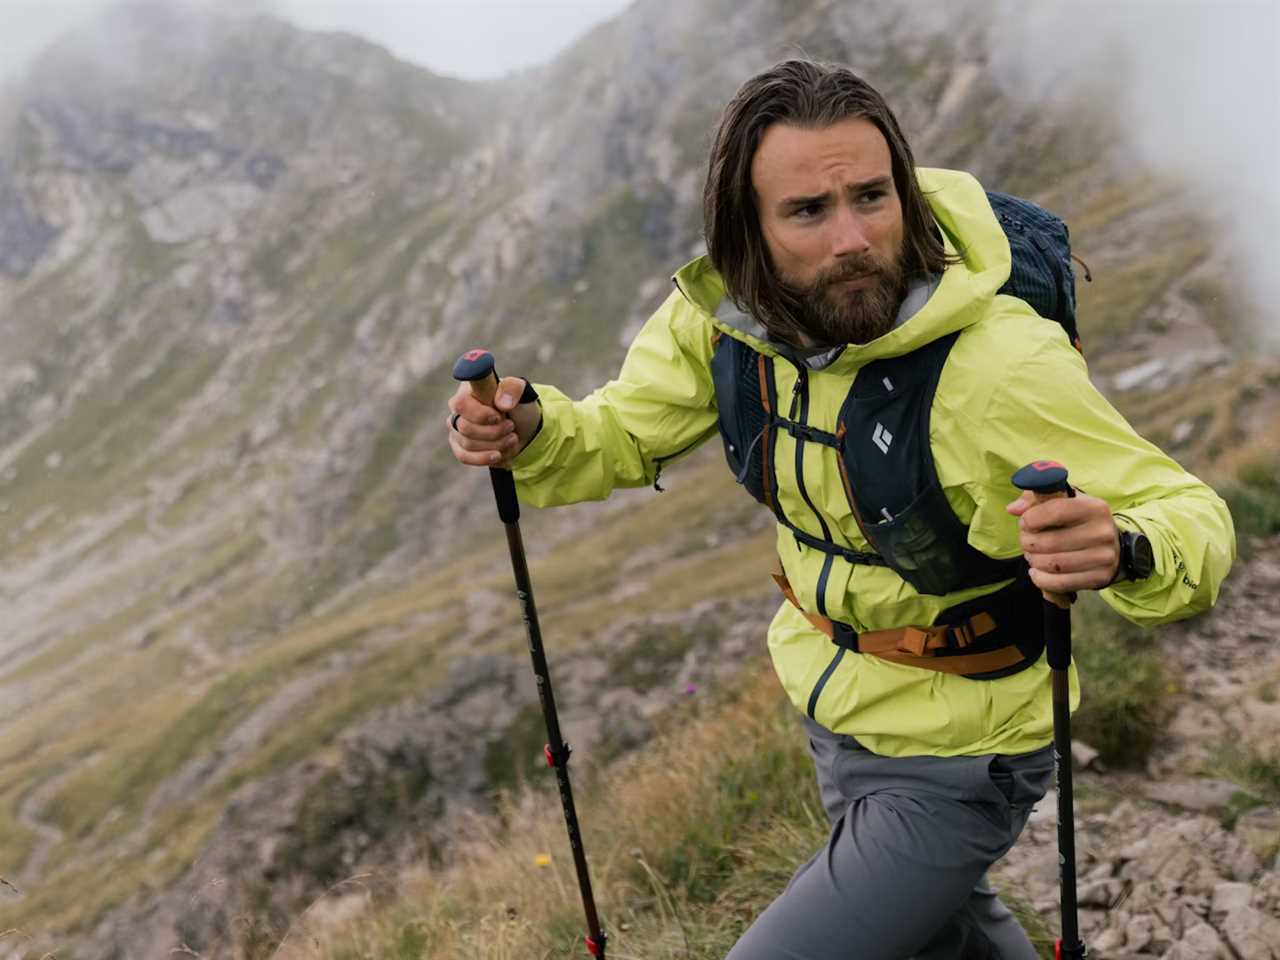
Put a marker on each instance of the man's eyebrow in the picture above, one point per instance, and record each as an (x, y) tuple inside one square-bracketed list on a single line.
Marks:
[(871, 184), (798, 202), (794, 203)]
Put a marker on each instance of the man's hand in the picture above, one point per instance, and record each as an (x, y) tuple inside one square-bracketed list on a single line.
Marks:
[(484, 436), (1071, 543)]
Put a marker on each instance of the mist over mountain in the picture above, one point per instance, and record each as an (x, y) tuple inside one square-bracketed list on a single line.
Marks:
[(237, 260)]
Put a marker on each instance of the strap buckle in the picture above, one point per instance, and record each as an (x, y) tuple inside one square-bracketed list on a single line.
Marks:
[(960, 635), (915, 640), (924, 641)]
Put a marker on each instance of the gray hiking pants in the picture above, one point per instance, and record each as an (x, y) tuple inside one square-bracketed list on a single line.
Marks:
[(903, 873)]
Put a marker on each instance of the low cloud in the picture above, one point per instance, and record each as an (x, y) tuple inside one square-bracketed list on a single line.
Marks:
[(1197, 87)]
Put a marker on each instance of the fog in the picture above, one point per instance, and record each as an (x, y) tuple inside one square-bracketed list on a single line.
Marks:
[(1197, 87), (473, 39)]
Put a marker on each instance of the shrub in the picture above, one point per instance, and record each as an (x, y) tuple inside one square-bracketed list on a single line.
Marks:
[(1124, 689), (1254, 499)]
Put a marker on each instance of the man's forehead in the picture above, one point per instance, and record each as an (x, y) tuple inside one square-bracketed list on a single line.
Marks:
[(789, 155)]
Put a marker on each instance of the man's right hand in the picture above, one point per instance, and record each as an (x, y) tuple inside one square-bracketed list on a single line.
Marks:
[(484, 436)]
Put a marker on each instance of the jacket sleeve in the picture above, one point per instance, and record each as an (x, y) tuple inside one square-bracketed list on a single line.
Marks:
[(660, 406), (1047, 408)]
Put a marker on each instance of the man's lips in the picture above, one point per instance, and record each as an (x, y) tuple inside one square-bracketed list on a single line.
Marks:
[(852, 284)]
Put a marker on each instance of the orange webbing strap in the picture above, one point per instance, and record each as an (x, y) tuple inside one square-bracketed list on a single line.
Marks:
[(819, 621), (912, 646), (965, 663), (766, 456)]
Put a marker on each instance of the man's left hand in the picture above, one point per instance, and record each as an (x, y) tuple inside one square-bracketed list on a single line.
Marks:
[(1071, 543)]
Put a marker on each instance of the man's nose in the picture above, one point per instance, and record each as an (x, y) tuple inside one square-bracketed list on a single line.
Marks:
[(848, 234)]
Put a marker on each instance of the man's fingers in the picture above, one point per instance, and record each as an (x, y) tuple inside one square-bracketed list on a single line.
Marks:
[(1083, 537), (474, 453), (480, 433), (1050, 514), (474, 439), (1078, 561), (1070, 582)]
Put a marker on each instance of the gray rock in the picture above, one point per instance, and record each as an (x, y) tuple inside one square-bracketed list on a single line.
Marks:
[(1100, 893), (1228, 897), (1204, 795), (1135, 377), (1138, 933), (1252, 934), (1202, 942), (1162, 938), (1084, 756), (1259, 830), (1111, 938), (1243, 864)]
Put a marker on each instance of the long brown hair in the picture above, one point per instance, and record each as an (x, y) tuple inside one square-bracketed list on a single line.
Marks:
[(806, 94)]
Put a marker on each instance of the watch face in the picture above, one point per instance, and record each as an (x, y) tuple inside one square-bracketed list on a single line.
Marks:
[(1143, 557)]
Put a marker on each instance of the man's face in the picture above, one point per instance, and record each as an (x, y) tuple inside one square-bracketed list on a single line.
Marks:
[(832, 222)]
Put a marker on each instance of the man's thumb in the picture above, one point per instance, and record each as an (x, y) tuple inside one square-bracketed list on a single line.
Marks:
[(1020, 506), (510, 390)]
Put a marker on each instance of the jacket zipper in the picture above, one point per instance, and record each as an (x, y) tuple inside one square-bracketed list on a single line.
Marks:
[(800, 399)]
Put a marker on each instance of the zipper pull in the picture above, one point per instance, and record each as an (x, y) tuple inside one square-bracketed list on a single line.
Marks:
[(802, 382)]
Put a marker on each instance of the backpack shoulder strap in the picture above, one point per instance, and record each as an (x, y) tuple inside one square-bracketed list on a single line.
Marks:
[(746, 402)]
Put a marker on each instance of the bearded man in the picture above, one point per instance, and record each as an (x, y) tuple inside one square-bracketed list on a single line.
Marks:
[(844, 285)]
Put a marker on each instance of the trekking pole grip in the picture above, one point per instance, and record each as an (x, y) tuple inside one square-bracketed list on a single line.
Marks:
[(1047, 480), (477, 368)]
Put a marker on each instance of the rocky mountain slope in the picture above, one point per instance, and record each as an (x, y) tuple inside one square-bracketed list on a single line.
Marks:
[(1179, 860), (236, 260)]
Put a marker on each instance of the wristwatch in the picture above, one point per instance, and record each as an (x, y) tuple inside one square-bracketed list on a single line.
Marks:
[(1137, 559)]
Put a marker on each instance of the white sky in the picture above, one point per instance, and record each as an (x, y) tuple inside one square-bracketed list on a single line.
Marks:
[(463, 38)]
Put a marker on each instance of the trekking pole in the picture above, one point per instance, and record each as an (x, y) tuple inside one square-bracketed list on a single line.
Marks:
[(477, 368), (1048, 481)]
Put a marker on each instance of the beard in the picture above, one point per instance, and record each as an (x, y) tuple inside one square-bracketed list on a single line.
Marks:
[(830, 316)]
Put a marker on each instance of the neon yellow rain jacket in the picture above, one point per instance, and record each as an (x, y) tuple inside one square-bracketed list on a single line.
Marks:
[(1013, 391)]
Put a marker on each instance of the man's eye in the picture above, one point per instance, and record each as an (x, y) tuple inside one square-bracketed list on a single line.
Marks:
[(808, 211), (872, 196)]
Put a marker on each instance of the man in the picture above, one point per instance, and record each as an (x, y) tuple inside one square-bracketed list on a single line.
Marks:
[(831, 255)]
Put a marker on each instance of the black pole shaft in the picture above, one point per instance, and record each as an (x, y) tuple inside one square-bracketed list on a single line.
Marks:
[(1058, 653), (1048, 480), (508, 510)]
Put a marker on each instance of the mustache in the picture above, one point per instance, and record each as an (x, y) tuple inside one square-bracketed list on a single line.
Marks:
[(850, 269)]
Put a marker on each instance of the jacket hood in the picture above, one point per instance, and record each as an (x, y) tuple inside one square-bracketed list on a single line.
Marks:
[(969, 230)]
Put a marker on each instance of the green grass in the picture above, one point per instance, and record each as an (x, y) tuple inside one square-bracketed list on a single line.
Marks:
[(1220, 307), (118, 416), (1254, 499), (1257, 771), (1120, 293), (687, 842), (1249, 765), (1124, 687)]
